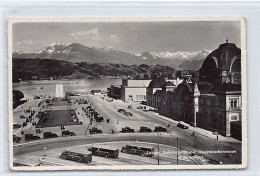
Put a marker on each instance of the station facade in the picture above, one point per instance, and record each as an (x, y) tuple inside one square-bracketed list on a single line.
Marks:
[(211, 101)]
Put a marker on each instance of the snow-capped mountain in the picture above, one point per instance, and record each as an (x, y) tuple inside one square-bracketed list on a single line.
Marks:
[(75, 52), (184, 55), (110, 48), (175, 59)]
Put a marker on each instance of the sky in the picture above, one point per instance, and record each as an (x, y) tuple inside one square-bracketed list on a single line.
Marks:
[(134, 37)]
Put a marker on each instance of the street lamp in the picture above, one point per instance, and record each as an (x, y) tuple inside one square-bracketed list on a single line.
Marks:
[(177, 147), (177, 150), (158, 148)]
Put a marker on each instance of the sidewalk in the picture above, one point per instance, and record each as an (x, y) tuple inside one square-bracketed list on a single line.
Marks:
[(199, 131)]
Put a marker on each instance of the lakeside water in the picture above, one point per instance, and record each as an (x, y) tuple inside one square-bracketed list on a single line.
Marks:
[(29, 89)]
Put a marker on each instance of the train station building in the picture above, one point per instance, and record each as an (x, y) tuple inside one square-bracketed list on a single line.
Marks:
[(211, 101)]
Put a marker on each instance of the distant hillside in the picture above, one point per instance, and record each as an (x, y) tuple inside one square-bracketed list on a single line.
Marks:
[(28, 69)]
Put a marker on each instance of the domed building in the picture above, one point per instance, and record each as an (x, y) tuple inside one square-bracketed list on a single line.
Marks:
[(214, 101), (223, 65)]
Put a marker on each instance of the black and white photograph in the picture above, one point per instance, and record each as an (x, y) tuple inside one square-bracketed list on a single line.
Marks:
[(127, 93)]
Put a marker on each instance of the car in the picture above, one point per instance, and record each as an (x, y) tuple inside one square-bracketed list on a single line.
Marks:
[(30, 137), (99, 119), (145, 129), (128, 114), (49, 135), (182, 125), (67, 133), (160, 129), (127, 130), (94, 130), (16, 139), (16, 125), (121, 111), (140, 107)]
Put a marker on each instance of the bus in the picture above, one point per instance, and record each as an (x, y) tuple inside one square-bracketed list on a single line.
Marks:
[(79, 155), (138, 150), (105, 151)]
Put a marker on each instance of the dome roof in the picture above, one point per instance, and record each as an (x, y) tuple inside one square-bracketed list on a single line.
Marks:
[(226, 59), (224, 55)]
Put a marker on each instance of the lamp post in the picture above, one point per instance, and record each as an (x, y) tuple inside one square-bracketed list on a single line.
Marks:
[(158, 148), (177, 151)]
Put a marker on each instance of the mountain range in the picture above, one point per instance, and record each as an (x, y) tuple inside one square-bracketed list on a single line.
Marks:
[(34, 69), (75, 53)]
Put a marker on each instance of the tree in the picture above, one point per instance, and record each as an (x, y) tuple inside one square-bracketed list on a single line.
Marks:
[(179, 74), (17, 96)]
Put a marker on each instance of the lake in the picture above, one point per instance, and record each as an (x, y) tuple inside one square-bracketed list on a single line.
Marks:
[(29, 89)]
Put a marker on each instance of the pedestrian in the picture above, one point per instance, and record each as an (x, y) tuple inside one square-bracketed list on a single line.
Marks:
[(217, 137), (193, 134)]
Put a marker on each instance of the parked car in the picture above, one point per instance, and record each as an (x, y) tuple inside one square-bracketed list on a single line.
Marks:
[(67, 133), (140, 107), (182, 125), (160, 129), (30, 137), (49, 135), (121, 111), (128, 114), (16, 139), (127, 130), (145, 129), (99, 119), (94, 130), (16, 125)]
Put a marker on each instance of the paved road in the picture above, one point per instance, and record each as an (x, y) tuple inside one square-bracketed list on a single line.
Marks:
[(53, 151), (38, 146), (140, 118)]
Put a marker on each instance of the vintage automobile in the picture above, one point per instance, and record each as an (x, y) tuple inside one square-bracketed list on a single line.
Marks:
[(16, 125), (138, 150), (127, 130), (182, 125), (30, 137), (99, 118), (160, 129), (121, 111), (128, 114), (16, 138), (67, 133), (94, 130), (49, 135), (145, 129)]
